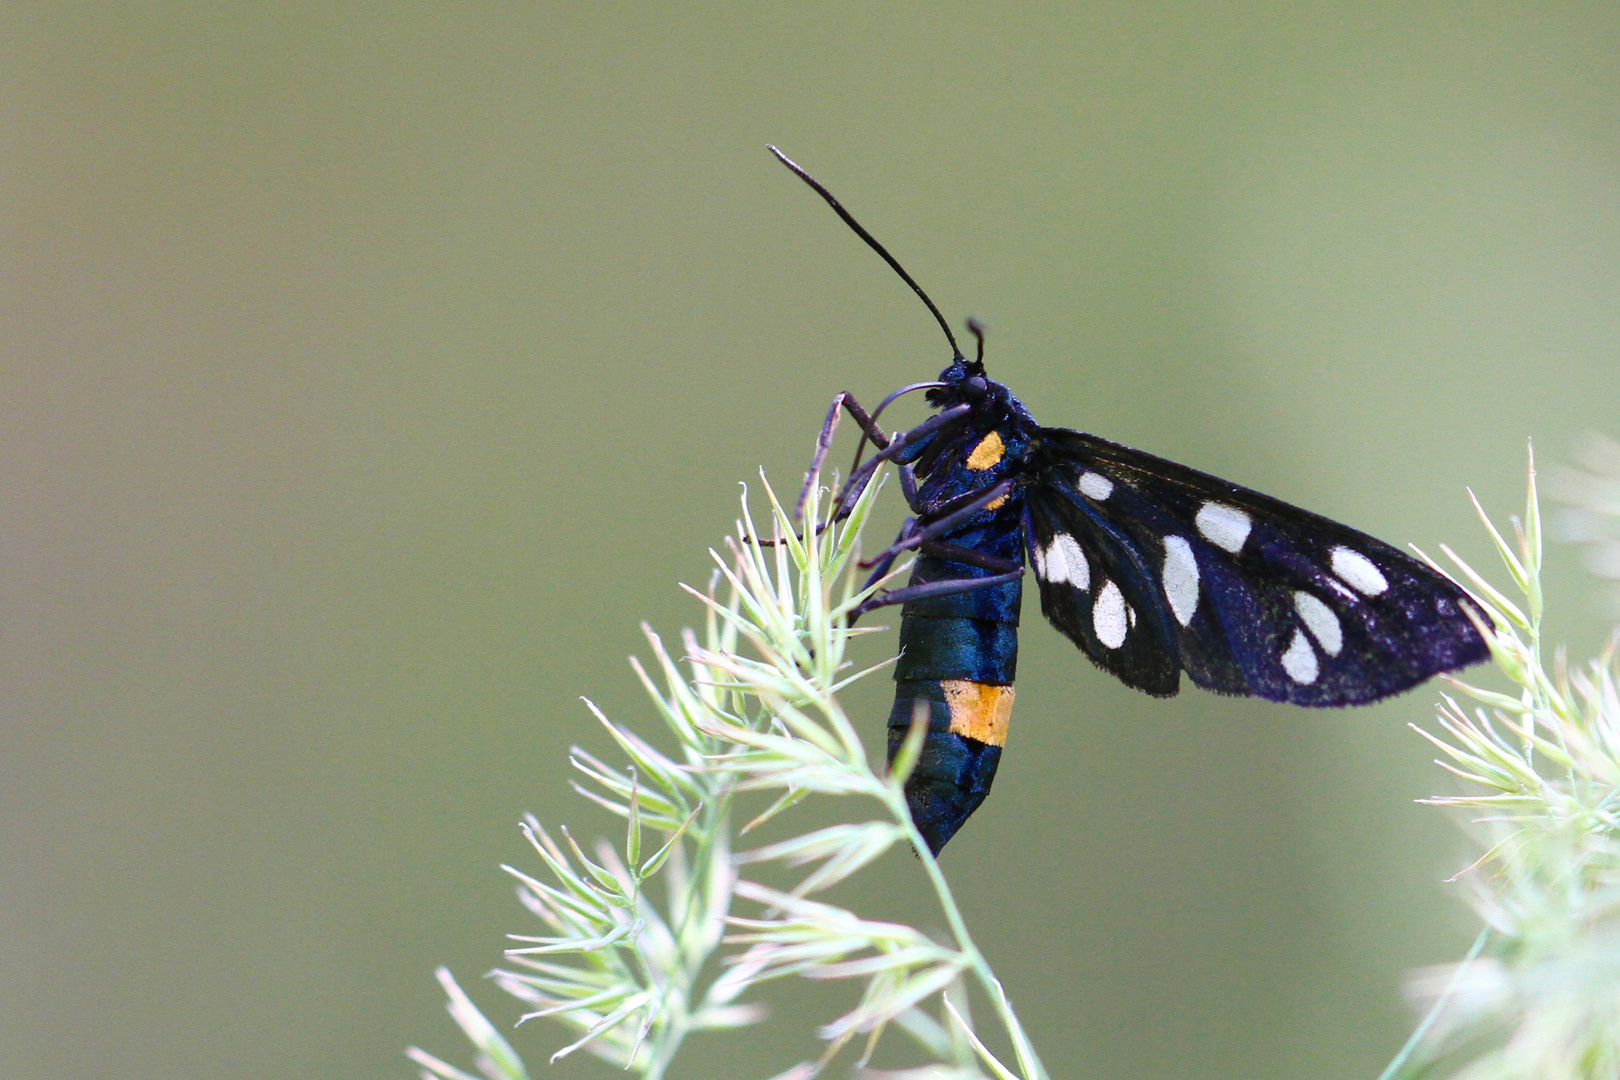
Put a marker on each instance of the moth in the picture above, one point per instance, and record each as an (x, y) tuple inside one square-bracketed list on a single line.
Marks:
[(1151, 568)]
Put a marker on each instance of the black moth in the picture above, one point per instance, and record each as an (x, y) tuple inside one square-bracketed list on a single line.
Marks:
[(1150, 567)]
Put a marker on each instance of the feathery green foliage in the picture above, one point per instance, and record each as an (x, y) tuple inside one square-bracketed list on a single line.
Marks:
[(1591, 518), (643, 942), (1539, 998)]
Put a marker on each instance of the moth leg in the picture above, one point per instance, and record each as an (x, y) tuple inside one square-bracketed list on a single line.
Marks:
[(952, 505), (857, 482), (953, 552), (944, 524), (930, 457), (842, 401), (972, 557), (933, 588), (859, 478), (860, 447), (906, 529), (908, 485)]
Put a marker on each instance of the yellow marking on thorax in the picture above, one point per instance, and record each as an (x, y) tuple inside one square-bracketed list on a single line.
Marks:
[(979, 710), (988, 453)]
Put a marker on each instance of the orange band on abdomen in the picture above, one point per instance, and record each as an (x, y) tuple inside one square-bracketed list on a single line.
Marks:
[(979, 710)]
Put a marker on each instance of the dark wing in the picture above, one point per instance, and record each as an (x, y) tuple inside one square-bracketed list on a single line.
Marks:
[(1153, 568)]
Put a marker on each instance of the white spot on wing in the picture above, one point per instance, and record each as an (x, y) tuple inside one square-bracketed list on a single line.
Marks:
[(1299, 661), (1180, 578), (1108, 616), (1096, 486), (1358, 570), (1079, 572), (1321, 622), (1064, 561), (1224, 526), (1051, 564)]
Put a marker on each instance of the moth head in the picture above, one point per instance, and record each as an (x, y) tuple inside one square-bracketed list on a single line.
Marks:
[(965, 380)]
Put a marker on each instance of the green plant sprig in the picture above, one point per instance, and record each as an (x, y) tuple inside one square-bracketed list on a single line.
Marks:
[(1541, 1001), (754, 710)]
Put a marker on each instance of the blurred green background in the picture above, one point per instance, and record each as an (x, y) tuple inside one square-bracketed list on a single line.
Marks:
[(369, 371)]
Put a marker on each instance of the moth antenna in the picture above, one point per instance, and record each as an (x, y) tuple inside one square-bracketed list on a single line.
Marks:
[(871, 242), (976, 328)]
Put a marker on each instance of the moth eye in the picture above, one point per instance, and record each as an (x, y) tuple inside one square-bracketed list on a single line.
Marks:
[(975, 388)]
